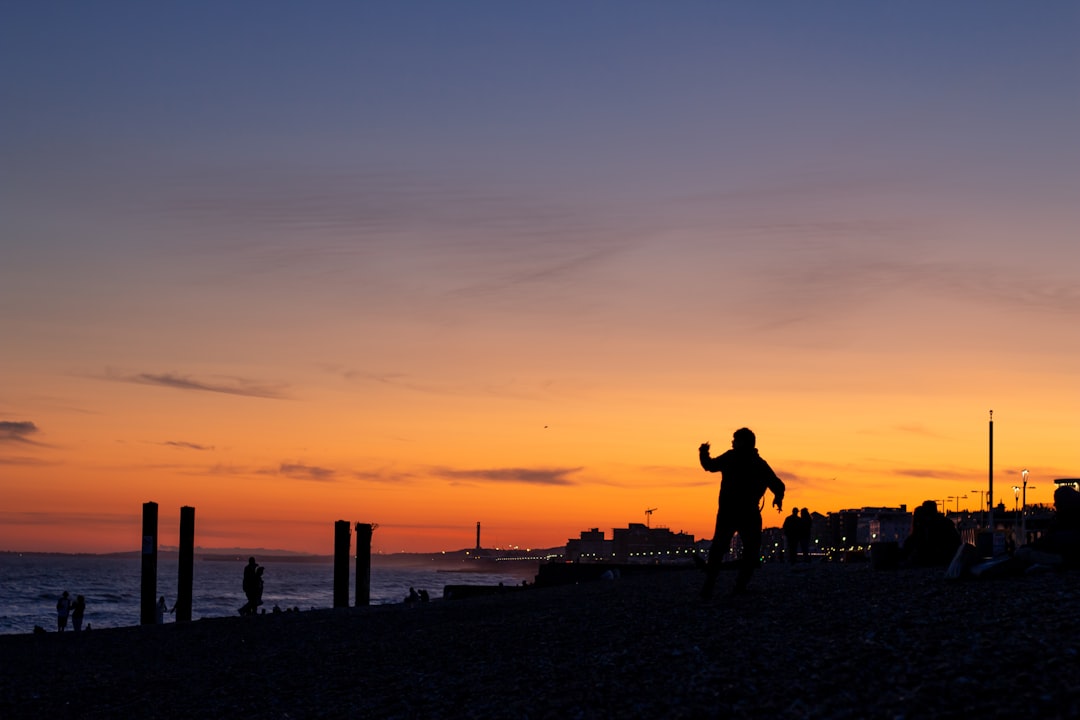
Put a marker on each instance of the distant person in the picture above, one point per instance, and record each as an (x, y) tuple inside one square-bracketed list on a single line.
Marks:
[(806, 529), (792, 528), (249, 586), (162, 608), (424, 597), (1059, 545), (63, 607), (745, 477), (258, 589), (413, 596), (933, 541), (1058, 548), (78, 608)]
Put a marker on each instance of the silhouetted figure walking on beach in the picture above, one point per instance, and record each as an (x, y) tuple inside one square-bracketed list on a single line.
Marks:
[(251, 587), (806, 529), (63, 607), (745, 477), (258, 589), (792, 526), (162, 608), (77, 609)]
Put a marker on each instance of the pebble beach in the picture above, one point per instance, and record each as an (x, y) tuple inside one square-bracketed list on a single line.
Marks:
[(814, 641)]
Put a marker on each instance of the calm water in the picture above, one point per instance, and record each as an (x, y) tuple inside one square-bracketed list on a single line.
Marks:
[(31, 584)]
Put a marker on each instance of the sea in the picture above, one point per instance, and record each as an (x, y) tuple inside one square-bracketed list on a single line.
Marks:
[(31, 583)]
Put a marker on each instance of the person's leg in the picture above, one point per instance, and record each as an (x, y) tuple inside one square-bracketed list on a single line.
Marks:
[(721, 541), (750, 534)]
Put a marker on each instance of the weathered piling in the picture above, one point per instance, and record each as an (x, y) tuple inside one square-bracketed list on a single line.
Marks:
[(148, 605), (363, 563), (186, 570), (341, 563)]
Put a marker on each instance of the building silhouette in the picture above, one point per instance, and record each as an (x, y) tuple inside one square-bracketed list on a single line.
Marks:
[(636, 543)]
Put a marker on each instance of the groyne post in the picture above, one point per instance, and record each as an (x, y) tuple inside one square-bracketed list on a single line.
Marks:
[(186, 571), (363, 564), (341, 563), (148, 604)]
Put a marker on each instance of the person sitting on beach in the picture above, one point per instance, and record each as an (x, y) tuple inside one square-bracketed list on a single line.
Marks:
[(1062, 537), (1058, 548), (745, 477), (413, 596), (63, 607), (1059, 545), (933, 540)]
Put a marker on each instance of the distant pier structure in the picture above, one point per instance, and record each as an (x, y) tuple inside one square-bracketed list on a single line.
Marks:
[(477, 534)]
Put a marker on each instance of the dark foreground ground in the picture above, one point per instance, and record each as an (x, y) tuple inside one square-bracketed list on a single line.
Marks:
[(828, 641)]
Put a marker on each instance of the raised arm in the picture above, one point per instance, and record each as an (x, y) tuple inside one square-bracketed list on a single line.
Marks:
[(712, 464)]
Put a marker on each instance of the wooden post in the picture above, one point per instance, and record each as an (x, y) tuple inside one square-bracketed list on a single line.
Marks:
[(341, 563), (363, 564), (186, 572), (148, 606)]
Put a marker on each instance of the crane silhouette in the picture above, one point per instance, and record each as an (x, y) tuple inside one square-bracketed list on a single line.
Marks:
[(648, 515)]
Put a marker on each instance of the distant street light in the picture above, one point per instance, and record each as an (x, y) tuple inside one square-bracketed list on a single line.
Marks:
[(1023, 511), (982, 500)]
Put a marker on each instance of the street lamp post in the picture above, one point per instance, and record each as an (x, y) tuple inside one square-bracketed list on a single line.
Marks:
[(1023, 509), (982, 502), (1016, 510)]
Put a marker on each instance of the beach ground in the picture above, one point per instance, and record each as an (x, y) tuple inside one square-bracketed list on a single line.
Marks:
[(816, 641)]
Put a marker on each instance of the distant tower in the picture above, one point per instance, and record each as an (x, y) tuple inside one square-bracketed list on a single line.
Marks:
[(477, 534)]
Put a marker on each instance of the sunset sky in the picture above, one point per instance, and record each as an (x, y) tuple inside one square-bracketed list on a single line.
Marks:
[(424, 264)]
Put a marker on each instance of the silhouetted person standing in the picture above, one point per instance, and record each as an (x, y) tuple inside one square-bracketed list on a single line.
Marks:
[(806, 529), (251, 587), (63, 607), (792, 527), (77, 610), (745, 477)]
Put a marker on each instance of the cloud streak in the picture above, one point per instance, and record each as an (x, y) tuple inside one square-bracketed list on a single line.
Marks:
[(299, 471), (530, 476), (187, 445), (18, 432), (227, 385)]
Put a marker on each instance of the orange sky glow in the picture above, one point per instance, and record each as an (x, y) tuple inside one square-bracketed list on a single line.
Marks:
[(491, 265)]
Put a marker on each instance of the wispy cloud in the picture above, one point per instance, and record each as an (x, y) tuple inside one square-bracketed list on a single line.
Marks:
[(226, 385), (26, 461), (385, 476), (187, 445), (532, 476), (18, 432), (300, 471)]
